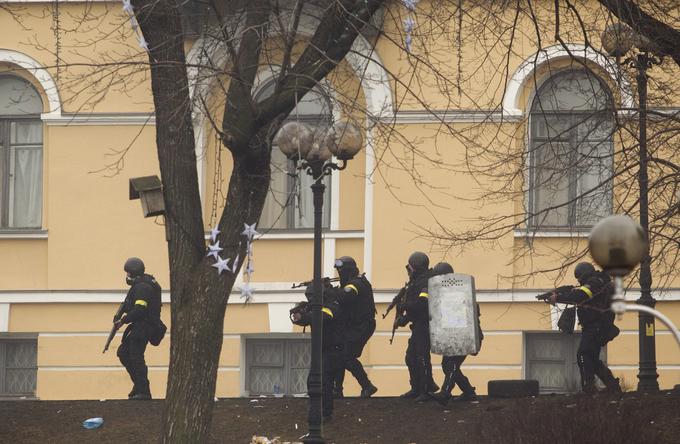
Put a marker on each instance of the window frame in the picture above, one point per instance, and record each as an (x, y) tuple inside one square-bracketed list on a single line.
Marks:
[(12, 338), (576, 118), (6, 162), (292, 171), (286, 366)]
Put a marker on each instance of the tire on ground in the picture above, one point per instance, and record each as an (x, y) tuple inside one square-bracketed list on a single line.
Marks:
[(513, 388)]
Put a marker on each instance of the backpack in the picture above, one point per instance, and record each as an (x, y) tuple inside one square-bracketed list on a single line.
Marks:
[(158, 333), (567, 320)]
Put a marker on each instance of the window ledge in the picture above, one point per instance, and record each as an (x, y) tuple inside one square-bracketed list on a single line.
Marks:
[(307, 234), (531, 233), (23, 234)]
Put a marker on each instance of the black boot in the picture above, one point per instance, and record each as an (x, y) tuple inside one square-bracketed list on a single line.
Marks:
[(411, 394), (444, 395), (589, 387), (425, 397), (469, 393), (607, 377), (368, 391)]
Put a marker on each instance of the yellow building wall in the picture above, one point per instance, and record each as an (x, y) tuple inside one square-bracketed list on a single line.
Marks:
[(93, 227)]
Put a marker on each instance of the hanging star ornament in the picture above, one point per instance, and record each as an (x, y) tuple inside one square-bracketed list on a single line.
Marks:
[(221, 264), (127, 7), (246, 291), (249, 231), (214, 249), (213, 233), (410, 4)]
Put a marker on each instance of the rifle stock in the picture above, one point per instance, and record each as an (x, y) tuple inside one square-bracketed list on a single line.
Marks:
[(114, 329), (399, 299)]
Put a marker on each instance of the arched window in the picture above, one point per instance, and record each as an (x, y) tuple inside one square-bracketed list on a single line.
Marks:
[(21, 161), (571, 151), (289, 199)]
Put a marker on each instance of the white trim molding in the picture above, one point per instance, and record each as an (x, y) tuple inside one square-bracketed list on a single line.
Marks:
[(449, 116), (41, 75), (300, 234), (524, 73), (4, 317), (23, 234), (535, 232), (99, 119), (282, 293)]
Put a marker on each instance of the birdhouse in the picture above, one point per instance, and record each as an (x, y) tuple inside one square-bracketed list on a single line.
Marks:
[(150, 191)]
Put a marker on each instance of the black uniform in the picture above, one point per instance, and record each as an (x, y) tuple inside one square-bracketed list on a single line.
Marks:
[(142, 308), (358, 308), (593, 298), (331, 347), (418, 350), (453, 374)]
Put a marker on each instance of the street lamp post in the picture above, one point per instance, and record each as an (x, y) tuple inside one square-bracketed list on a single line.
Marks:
[(618, 244), (312, 151), (619, 40)]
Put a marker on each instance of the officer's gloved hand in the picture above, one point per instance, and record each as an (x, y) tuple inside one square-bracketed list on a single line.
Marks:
[(402, 321)]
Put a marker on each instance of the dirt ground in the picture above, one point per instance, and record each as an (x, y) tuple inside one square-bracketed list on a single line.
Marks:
[(633, 417)]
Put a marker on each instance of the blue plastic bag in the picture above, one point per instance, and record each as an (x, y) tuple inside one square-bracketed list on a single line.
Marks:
[(93, 423)]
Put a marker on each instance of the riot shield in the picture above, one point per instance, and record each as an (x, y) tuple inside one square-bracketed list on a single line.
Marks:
[(453, 315)]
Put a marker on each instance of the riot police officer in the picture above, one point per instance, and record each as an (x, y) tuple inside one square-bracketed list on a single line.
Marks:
[(142, 311), (355, 297), (451, 364), (416, 312), (331, 343), (593, 297)]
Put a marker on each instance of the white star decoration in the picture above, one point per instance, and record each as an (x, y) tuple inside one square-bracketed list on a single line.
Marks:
[(127, 7), (221, 264), (249, 231), (410, 4), (246, 291), (213, 233), (214, 249)]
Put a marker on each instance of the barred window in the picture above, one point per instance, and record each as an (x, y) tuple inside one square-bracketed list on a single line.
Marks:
[(571, 149), (18, 366), (277, 366)]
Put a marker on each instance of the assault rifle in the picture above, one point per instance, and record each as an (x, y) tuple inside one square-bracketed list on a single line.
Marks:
[(559, 290), (398, 301), (326, 281), (114, 329)]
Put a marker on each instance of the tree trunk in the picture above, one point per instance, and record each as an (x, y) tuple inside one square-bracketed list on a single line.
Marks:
[(198, 323), (199, 295)]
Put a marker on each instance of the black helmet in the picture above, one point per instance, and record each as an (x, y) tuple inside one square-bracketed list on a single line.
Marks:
[(347, 269), (442, 268), (134, 267), (346, 263), (419, 261), (583, 270)]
